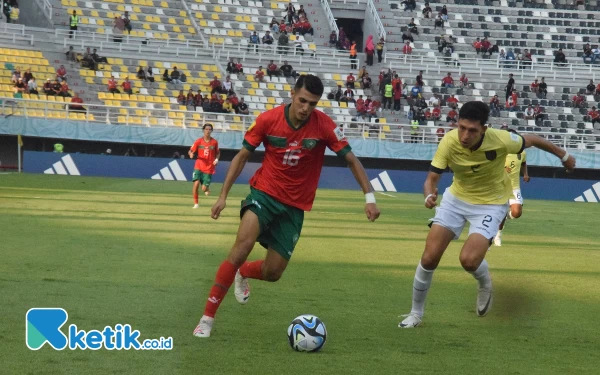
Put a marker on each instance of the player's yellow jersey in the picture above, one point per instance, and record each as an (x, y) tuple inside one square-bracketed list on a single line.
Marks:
[(512, 165), (479, 175)]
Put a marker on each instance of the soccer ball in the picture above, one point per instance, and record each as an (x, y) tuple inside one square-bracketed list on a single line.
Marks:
[(307, 333)]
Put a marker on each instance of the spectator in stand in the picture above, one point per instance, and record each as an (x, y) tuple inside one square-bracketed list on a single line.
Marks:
[(290, 10), (407, 35), (71, 55), (419, 79), (126, 22), (543, 88), (48, 87), (215, 85), (559, 58), (452, 116), (306, 27), (379, 49), (366, 81), (578, 101), (242, 108), (16, 74), (112, 85), (239, 67), (442, 43), (436, 113), (181, 98), (370, 50), (175, 76), (511, 104), (20, 87), (97, 58), (477, 45), (189, 98), (439, 22), (413, 27), (388, 96), (198, 100), (594, 116), (590, 88), (227, 86), (535, 86), (141, 74), (397, 92), (301, 11), (267, 38), (274, 26), (409, 5), (348, 95), (486, 47), (407, 49), (259, 75), (452, 101), (598, 89), (433, 100), (510, 85), (427, 12), (588, 55), (464, 81), (527, 60), (444, 13), (333, 40), (127, 86), (76, 104), (360, 106), (231, 66), (166, 76), (32, 87), (64, 90), (27, 76), (440, 134), (118, 29), (529, 113), (350, 80), (287, 70), (539, 113), (495, 106), (61, 73), (415, 91), (227, 106), (448, 81), (514, 96), (353, 56), (253, 42), (150, 75), (272, 69), (282, 43), (14, 12)]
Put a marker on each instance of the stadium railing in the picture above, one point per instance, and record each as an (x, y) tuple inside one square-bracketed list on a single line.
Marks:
[(15, 33), (330, 17), (193, 20), (46, 8), (441, 63), (371, 8), (330, 60), (222, 122)]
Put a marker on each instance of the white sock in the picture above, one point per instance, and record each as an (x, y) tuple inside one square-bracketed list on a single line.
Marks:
[(482, 275), (420, 287)]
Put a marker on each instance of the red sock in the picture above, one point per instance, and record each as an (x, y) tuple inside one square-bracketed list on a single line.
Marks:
[(196, 197), (252, 270), (223, 280)]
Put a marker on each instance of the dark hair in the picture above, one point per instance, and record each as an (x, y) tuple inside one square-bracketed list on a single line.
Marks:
[(475, 111), (311, 83), (205, 125)]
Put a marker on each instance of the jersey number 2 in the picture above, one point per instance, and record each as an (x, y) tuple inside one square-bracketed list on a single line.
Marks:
[(291, 158)]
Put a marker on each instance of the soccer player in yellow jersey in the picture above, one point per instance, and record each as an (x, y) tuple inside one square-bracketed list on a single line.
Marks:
[(479, 194), (513, 165)]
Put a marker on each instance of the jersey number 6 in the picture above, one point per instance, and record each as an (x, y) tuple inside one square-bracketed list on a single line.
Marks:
[(291, 158)]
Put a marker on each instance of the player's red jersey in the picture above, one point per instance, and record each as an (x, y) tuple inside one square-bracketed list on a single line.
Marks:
[(207, 153), (293, 158)]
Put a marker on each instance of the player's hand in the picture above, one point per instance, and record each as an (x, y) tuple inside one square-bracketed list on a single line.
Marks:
[(569, 164), (431, 202), (216, 209), (526, 178), (216, 162), (372, 211)]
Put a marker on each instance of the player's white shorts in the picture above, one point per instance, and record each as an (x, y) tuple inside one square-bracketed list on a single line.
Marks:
[(484, 219), (518, 198)]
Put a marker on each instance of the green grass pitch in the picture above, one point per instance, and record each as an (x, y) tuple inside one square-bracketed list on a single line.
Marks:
[(133, 251)]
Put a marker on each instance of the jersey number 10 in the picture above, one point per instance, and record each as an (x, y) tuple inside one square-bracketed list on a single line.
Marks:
[(291, 158)]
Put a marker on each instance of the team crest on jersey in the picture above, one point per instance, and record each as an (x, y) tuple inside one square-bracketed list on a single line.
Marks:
[(339, 134), (515, 137), (490, 155), (309, 143)]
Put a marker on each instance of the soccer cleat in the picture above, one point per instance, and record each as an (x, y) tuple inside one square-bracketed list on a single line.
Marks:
[(196, 206), (498, 238), (242, 289), (412, 320), (484, 301), (204, 327)]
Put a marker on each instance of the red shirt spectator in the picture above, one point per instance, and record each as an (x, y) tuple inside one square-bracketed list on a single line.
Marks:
[(282, 27), (440, 133), (407, 49), (594, 114), (464, 80), (538, 110), (64, 88), (259, 75), (350, 78), (239, 66), (598, 89), (234, 100), (126, 85), (436, 113), (61, 72), (452, 100), (77, 100), (305, 25), (477, 44), (452, 114), (448, 80), (360, 105), (534, 86), (515, 97), (427, 114), (112, 84), (485, 45), (272, 67), (397, 92), (215, 83)]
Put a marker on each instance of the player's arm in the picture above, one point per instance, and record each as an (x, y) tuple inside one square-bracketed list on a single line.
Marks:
[(525, 174), (430, 188), (567, 160), (235, 168), (191, 154), (361, 177), (217, 157)]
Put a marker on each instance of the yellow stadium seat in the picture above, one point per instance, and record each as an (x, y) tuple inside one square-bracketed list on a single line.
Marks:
[(182, 13), (214, 16), (172, 21), (386, 128)]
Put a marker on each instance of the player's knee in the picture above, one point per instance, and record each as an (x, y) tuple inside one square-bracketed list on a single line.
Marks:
[(272, 274), (429, 262), (204, 188), (469, 263)]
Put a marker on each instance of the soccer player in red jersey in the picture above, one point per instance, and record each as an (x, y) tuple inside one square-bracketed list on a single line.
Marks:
[(207, 149), (295, 137)]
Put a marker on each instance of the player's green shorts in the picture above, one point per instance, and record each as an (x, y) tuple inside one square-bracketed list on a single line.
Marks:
[(280, 224), (204, 178)]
